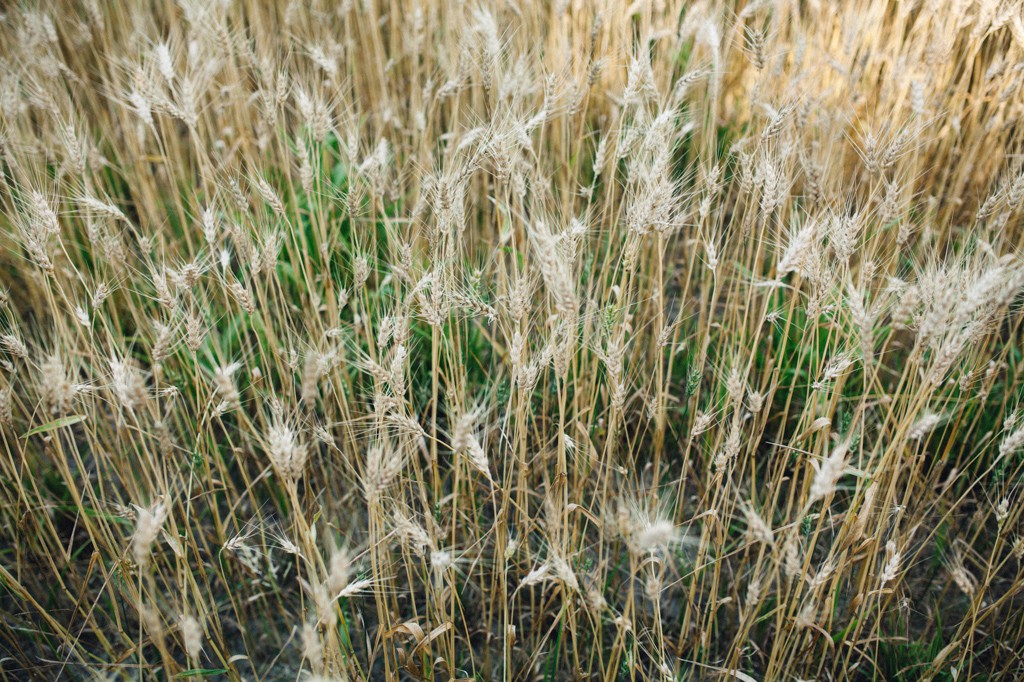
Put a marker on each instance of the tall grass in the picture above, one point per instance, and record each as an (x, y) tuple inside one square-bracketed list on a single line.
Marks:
[(511, 340)]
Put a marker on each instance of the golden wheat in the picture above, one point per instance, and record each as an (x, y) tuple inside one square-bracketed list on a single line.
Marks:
[(511, 340)]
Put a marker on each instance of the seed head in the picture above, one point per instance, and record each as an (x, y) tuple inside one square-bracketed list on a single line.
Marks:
[(148, 523), (287, 454)]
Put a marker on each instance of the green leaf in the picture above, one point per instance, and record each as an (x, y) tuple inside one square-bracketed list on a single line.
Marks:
[(201, 672), (56, 424)]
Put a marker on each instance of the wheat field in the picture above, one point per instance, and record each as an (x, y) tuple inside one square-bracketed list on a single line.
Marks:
[(511, 340)]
